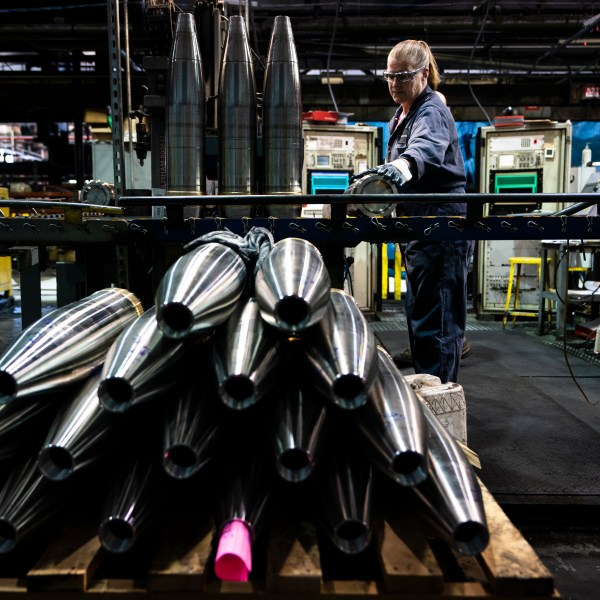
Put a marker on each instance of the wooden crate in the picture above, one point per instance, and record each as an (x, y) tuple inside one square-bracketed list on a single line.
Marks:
[(411, 565)]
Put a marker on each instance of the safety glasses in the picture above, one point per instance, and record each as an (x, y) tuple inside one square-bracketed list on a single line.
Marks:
[(402, 76)]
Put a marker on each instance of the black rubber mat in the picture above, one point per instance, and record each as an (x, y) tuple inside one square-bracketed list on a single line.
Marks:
[(538, 438)]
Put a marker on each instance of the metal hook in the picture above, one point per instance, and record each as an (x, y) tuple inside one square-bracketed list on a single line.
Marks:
[(401, 225), (429, 229), (297, 227), (245, 223), (454, 225), (535, 225), (563, 223), (56, 226), (138, 228), (346, 225), (31, 226), (590, 222), (483, 226), (6, 226), (377, 223), (111, 228), (272, 224), (218, 221), (507, 225), (319, 225)]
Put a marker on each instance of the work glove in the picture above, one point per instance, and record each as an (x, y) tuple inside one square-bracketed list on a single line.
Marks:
[(397, 171), (360, 175), (392, 173)]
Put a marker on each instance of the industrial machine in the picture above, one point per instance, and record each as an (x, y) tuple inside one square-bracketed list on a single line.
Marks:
[(332, 154), (530, 159)]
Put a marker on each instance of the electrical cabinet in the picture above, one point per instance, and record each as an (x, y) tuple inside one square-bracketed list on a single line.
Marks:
[(534, 158)]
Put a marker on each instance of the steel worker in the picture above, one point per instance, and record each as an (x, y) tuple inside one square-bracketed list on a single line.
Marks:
[(423, 156)]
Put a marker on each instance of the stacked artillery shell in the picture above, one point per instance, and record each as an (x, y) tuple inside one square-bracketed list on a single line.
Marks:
[(80, 435), (136, 364), (28, 501), (393, 427), (190, 432), (237, 119), (282, 119), (342, 353), (185, 114), (66, 345), (451, 494), (131, 506), (199, 291), (299, 433), (293, 286), (246, 357), (345, 490)]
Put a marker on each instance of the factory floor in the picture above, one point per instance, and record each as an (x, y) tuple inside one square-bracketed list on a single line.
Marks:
[(533, 418)]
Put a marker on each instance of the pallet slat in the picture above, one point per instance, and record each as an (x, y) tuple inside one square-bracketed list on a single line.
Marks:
[(69, 563), (409, 564), (509, 561)]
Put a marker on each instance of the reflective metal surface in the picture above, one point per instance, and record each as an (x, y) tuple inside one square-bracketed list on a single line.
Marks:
[(246, 357), (293, 286), (452, 494), (342, 353), (373, 183), (237, 119), (185, 112), (199, 291), (27, 502), (244, 492), (282, 119), (132, 504), (80, 434), (299, 429), (190, 431), (136, 365), (345, 491), (65, 345), (393, 427)]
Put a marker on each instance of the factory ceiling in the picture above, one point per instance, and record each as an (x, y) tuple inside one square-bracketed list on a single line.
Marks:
[(55, 55)]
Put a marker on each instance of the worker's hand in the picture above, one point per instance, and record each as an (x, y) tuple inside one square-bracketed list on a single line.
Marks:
[(392, 173), (360, 175)]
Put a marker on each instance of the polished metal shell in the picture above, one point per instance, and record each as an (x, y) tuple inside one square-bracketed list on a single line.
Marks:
[(452, 494), (141, 364), (246, 357), (80, 435), (185, 112), (282, 119), (244, 493), (132, 504), (28, 501), (299, 431), (237, 119), (373, 183), (342, 353), (345, 489), (200, 291), (64, 346), (293, 286), (190, 432), (392, 426)]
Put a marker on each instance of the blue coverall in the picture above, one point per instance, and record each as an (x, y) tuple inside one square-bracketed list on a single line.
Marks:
[(436, 271)]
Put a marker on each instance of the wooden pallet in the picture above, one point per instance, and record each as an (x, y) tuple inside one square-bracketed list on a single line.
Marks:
[(410, 564)]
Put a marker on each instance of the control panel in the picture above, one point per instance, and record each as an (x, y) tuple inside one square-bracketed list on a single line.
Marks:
[(350, 148)]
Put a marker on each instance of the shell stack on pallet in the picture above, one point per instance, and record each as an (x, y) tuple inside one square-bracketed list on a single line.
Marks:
[(245, 433)]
